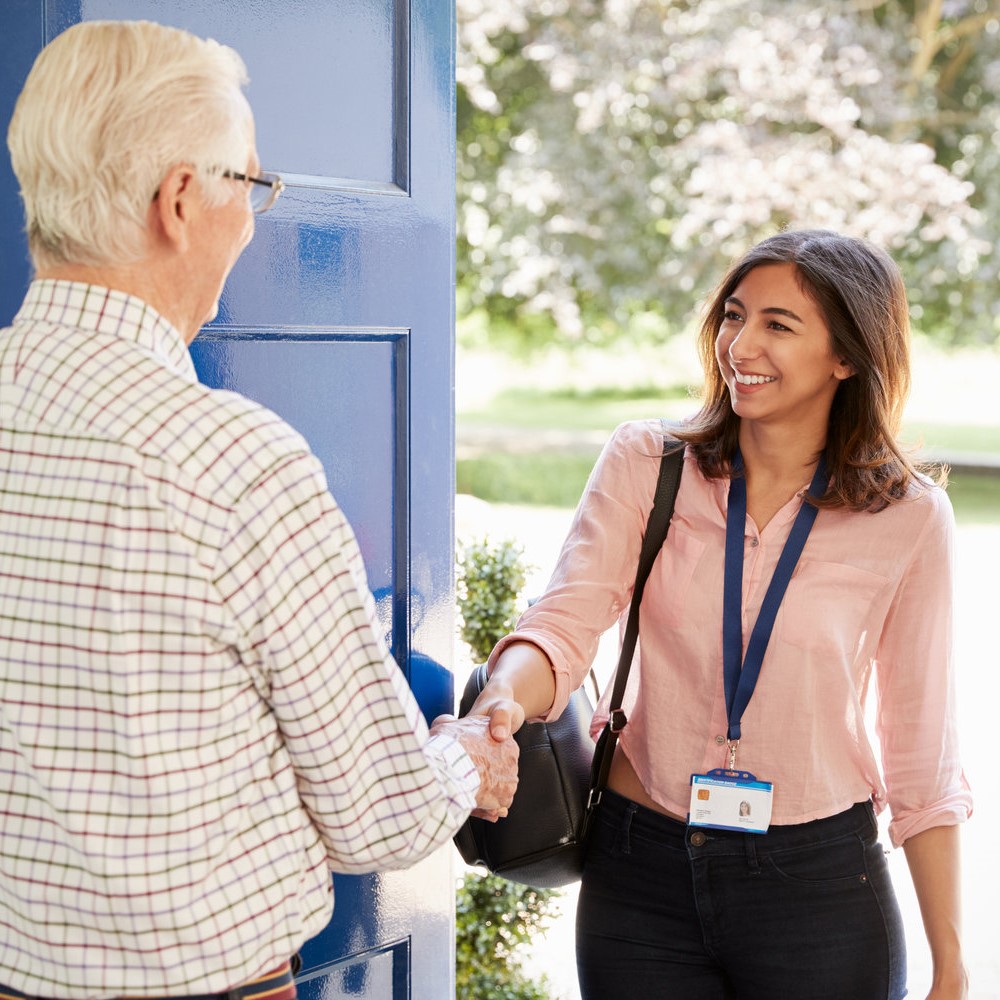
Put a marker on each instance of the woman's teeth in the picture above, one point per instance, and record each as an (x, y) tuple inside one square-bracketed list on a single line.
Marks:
[(753, 379)]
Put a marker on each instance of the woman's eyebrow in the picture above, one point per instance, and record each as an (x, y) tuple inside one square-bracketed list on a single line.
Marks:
[(769, 311)]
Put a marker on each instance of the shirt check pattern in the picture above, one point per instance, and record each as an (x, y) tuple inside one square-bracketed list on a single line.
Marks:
[(198, 720)]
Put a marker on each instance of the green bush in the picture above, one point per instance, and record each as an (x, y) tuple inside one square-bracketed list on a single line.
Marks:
[(491, 578), (494, 917)]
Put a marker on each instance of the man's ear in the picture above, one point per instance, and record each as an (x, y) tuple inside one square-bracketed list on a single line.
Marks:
[(175, 205)]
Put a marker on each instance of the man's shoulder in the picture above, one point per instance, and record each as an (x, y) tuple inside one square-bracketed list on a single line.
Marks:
[(110, 389), (218, 435)]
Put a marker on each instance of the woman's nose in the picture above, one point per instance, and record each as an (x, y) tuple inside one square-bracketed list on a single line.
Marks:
[(745, 344)]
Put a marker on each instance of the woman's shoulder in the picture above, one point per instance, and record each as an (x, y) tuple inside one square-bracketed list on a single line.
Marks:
[(934, 505), (645, 436), (925, 506), (632, 456), (926, 499)]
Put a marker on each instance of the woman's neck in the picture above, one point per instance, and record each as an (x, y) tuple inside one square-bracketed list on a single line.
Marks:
[(781, 452), (776, 466)]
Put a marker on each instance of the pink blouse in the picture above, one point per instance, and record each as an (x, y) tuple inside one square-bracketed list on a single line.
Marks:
[(869, 602)]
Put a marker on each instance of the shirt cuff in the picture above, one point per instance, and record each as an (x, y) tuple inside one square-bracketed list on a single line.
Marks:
[(455, 762), (560, 671), (950, 811)]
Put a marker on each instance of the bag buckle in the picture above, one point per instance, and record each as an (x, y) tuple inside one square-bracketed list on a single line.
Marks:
[(617, 720)]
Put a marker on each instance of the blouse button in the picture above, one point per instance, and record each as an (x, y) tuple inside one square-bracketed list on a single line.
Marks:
[(755, 542), (720, 740)]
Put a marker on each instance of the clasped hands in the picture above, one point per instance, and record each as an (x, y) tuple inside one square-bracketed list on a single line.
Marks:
[(486, 735)]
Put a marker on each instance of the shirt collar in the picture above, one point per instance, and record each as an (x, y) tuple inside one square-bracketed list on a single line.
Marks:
[(108, 311)]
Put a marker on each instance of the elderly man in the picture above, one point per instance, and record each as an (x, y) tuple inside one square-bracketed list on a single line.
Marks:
[(198, 720)]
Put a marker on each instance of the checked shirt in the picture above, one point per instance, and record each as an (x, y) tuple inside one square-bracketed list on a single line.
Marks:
[(198, 721)]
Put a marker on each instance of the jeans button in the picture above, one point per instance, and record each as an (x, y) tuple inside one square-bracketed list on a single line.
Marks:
[(698, 839)]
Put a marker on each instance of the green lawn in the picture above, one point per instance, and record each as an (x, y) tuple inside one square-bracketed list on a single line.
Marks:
[(567, 409), (556, 478), (976, 499), (604, 409), (543, 478)]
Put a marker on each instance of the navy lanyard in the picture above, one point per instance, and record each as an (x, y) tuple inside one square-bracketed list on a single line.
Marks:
[(740, 679)]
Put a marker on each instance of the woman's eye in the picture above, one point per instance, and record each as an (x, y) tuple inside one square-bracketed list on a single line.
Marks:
[(780, 327), (732, 316)]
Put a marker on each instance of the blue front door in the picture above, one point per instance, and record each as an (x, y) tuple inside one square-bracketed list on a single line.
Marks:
[(339, 317)]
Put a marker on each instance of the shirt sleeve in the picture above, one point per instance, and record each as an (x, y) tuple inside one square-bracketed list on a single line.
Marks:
[(593, 578), (917, 717), (380, 791)]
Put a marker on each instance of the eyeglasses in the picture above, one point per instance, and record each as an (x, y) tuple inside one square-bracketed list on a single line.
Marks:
[(264, 192)]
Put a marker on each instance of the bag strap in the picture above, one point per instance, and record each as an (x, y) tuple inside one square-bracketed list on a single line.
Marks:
[(671, 465)]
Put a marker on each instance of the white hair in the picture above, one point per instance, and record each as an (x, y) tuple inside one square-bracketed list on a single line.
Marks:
[(107, 109)]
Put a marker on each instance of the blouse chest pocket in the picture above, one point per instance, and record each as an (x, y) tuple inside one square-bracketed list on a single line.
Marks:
[(832, 608), (670, 579)]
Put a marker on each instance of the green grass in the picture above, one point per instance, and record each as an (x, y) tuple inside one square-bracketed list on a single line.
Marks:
[(976, 499), (598, 409), (955, 437), (557, 480), (605, 408), (542, 479)]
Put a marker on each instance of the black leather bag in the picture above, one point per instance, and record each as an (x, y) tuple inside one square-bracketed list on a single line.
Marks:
[(541, 841)]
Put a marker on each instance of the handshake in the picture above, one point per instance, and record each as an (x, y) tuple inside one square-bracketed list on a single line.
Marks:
[(489, 742)]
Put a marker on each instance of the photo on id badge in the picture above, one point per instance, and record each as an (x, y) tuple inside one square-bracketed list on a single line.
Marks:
[(730, 800)]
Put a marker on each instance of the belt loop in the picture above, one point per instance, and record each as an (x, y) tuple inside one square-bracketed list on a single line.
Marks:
[(625, 830), (750, 848)]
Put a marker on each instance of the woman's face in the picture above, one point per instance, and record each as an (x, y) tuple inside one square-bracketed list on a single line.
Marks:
[(775, 352)]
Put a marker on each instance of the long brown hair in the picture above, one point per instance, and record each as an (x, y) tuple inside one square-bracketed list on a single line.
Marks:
[(859, 290)]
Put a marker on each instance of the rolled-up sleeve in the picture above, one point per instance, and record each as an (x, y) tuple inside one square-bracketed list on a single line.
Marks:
[(917, 722), (593, 578)]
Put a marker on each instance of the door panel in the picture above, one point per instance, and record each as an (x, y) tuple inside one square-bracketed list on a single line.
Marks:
[(339, 316), (328, 81), (347, 401)]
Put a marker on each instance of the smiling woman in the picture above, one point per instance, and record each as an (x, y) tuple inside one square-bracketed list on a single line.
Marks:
[(775, 353), (808, 566), (845, 299)]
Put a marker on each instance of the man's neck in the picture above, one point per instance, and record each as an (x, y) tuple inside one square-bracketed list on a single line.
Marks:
[(138, 280)]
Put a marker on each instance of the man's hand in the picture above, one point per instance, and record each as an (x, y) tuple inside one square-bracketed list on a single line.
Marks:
[(495, 760)]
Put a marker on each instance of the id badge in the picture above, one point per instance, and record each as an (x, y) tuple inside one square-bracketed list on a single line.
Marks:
[(730, 800)]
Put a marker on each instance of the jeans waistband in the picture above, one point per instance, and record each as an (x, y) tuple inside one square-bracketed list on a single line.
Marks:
[(278, 984), (859, 820)]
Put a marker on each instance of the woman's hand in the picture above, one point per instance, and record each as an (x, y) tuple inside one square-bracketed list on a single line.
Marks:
[(520, 686), (956, 988), (497, 703)]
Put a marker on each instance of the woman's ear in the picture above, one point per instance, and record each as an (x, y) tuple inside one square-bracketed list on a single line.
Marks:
[(844, 369)]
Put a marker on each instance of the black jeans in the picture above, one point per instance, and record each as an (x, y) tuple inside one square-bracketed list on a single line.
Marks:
[(670, 911)]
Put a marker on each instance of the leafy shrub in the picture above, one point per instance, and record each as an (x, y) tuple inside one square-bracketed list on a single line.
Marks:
[(494, 917), (491, 579)]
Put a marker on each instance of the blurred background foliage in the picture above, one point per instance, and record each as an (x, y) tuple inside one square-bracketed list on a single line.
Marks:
[(615, 155)]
